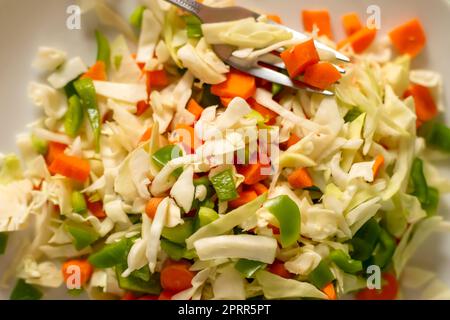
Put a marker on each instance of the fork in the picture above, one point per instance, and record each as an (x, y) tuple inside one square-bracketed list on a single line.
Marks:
[(225, 52)]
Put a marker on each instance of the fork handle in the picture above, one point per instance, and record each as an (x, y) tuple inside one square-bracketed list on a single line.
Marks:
[(190, 6)]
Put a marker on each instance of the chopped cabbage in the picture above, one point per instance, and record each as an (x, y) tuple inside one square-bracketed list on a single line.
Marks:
[(48, 59), (68, 72)]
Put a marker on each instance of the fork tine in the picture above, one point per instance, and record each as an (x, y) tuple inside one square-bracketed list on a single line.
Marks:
[(276, 61), (277, 77)]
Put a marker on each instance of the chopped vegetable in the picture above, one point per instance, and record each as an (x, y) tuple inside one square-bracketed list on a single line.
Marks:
[(96, 209), (287, 213), (224, 185), (180, 233), (82, 235), (300, 57), (345, 263), (293, 139), (274, 18), (151, 285), (351, 23), (385, 250), (248, 267), (25, 291), (86, 91), (78, 202), (426, 108), (205, 216), (152, 206), (300, 179), (3, 242), (253, 173), (74, 117), (238, 84), (409, 38), (432, 204), (194, 108), (165, 154), (360, 40), (54, 150), (419, 182), (280, 270), (175, 251), (317, 18), (438, 136), (111, 254), (352, 115), (85, 269), (330, 291), (40, 145), (103, 50), (157, 78), (11, 169), (276, 88), (96, 72), (176, 276), (137, 16), (71, 167), (365, 240), (244, 197), (379, 163), (186, 134), (193, 26), (389, 290), (141, 107), (321, 276), (321, 75), (259, 188)]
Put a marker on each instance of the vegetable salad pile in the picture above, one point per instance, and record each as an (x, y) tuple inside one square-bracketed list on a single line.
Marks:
[(123, 188)]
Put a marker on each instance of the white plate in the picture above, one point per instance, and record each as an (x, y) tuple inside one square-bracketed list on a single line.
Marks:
[(27, 24)]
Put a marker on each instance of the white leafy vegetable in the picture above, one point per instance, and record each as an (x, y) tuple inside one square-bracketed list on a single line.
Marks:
[(248, 247), (127, 71), (114, 211), (48, 59), (15, 198), (304, 263), (52, 101), (229, 285), (183, 190), (68, 72), (155, 234), (148, 39), (64, 251), (128, 92), (46, 274)]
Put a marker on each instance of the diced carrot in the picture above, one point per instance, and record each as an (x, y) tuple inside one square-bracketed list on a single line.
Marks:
[(129, 296), (238, 84), (147, 135), (176, 276), (321, 75), (157, 78), (166, 295), (71, 167), (293, 139), (319, 18), (141, 65), (379, 162), (76, 267), (152, 206), (330, 291), (299, 57), (186, 135), (265, 112), (54, 149), (275, 18), (259, 188), (279, 269), (244, 197), (141, 107), (409, 38), (253, 173), (360, 40), (300, 179), (426, 108), (225, 101), (96, 208), (96, 72), (275, 230), (351, 23), (194, 108)]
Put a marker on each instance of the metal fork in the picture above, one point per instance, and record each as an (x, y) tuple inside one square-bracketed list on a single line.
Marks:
[(212, 15)]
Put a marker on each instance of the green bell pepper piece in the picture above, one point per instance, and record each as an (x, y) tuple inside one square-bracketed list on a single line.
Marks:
[(74, 117), (345, 263), (111, 255), (206, 216), (103, 49), (437, 135), (288, 215), (365, 240), (3, 242), (177, 252), (166, 154), (352, 115), (248, 267), (25, 291), (193, 26), (137, 16), (276, 88), (432, 204), (88, 97), (385, 249), (224, 185), (78, 202), (180, 233), (82, 235), (40, 145), (135, 282), (321, 276), (69, 88), (418, 181)]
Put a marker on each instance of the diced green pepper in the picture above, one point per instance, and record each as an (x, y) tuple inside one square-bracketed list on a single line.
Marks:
[(249, 267), (103, 49), (419, 182), (177, 252), (11, 169), (3, 242), (166, 154), (276, 88), (365, 240), (437, 135), (385, 249), (288, 215), (78, 202), (345, 263), (25, 291), (224, 185), (352, 115), (69, 88), (82, 235), (432, 204), (118, 61), (136, 283), (321, 275), (40, 145), (136, 17), (260, 119), (193, 26), (180, 233), (143, 273), (206, 216), (111, 255), (88, 97), (74, 117)]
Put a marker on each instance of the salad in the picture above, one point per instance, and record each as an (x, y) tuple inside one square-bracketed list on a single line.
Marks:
[(156, 171)]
